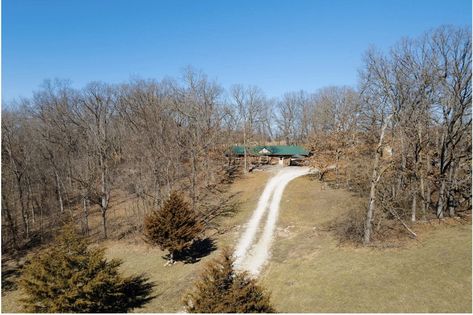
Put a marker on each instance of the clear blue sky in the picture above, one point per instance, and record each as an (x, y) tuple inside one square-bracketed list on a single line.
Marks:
[(277, 45)]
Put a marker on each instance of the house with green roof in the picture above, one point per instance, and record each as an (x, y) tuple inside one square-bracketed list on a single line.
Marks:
[(285, 151), (285, 154)]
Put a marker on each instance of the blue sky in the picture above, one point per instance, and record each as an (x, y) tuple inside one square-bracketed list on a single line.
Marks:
[(278, 45)]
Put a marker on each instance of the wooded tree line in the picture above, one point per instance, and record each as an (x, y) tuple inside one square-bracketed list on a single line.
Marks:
[(420, 95), (401, 139), (67, 149)]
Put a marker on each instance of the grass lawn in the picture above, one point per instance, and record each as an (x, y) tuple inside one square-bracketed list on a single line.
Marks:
[(308, 271), (171, 281)]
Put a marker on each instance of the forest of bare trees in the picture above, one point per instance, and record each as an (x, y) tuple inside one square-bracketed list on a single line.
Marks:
[(401, 139)]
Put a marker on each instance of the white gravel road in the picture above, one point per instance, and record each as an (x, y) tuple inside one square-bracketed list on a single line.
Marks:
[(252, 250)]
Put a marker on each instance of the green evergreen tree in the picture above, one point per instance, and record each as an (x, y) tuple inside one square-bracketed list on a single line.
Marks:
[(174, 227), (70, 277), (222, 290)]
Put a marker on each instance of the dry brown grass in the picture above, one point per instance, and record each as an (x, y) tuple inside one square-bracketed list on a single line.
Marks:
[(173, 281), (138, 257), (308, 270)]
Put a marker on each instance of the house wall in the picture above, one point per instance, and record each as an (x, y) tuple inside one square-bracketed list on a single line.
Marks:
[(273, 160)]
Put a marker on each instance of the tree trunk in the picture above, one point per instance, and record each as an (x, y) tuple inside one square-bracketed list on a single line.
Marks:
[(24, 211), (86, 215), (451, 197), (39, 205), (427, 184), (400, 181), (441, 201), (168, 181), (104, 223), (245, 164), (374, 180), (105, 194), (414, 206), (371, 207), (156, 190), (208, 179), (69, 171), (423, 199), (336, 168), (59, 193), (193, 179), (442, 175), (41, 232), (10, 222), (30, 202)]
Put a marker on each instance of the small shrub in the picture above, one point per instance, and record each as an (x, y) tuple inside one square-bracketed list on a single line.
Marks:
[(174, 227), (68, 277), (350, 226), (222, 290)]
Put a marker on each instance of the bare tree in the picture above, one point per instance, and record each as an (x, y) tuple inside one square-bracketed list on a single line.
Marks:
[(252, 113)]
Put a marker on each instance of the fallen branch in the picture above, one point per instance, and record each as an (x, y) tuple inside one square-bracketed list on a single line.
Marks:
[(394, 213)]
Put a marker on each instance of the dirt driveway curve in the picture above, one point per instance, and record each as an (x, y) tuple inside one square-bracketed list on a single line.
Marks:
[(252, 250)]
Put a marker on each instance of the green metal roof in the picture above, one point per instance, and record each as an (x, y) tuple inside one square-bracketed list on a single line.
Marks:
[(274, 150)]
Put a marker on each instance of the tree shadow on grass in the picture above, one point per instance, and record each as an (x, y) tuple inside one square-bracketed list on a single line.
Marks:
[(136, 292), (11, 270), (9, 276), (198, 250)]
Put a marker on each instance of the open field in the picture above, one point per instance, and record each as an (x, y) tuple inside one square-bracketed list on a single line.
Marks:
[(171, 281), (308, 271)]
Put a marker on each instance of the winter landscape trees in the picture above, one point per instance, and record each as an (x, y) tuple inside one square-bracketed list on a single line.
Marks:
[(66, 147), (401, 141), (418, 92)]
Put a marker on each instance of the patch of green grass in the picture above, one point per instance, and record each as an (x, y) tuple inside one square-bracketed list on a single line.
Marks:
[(309, 272)]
